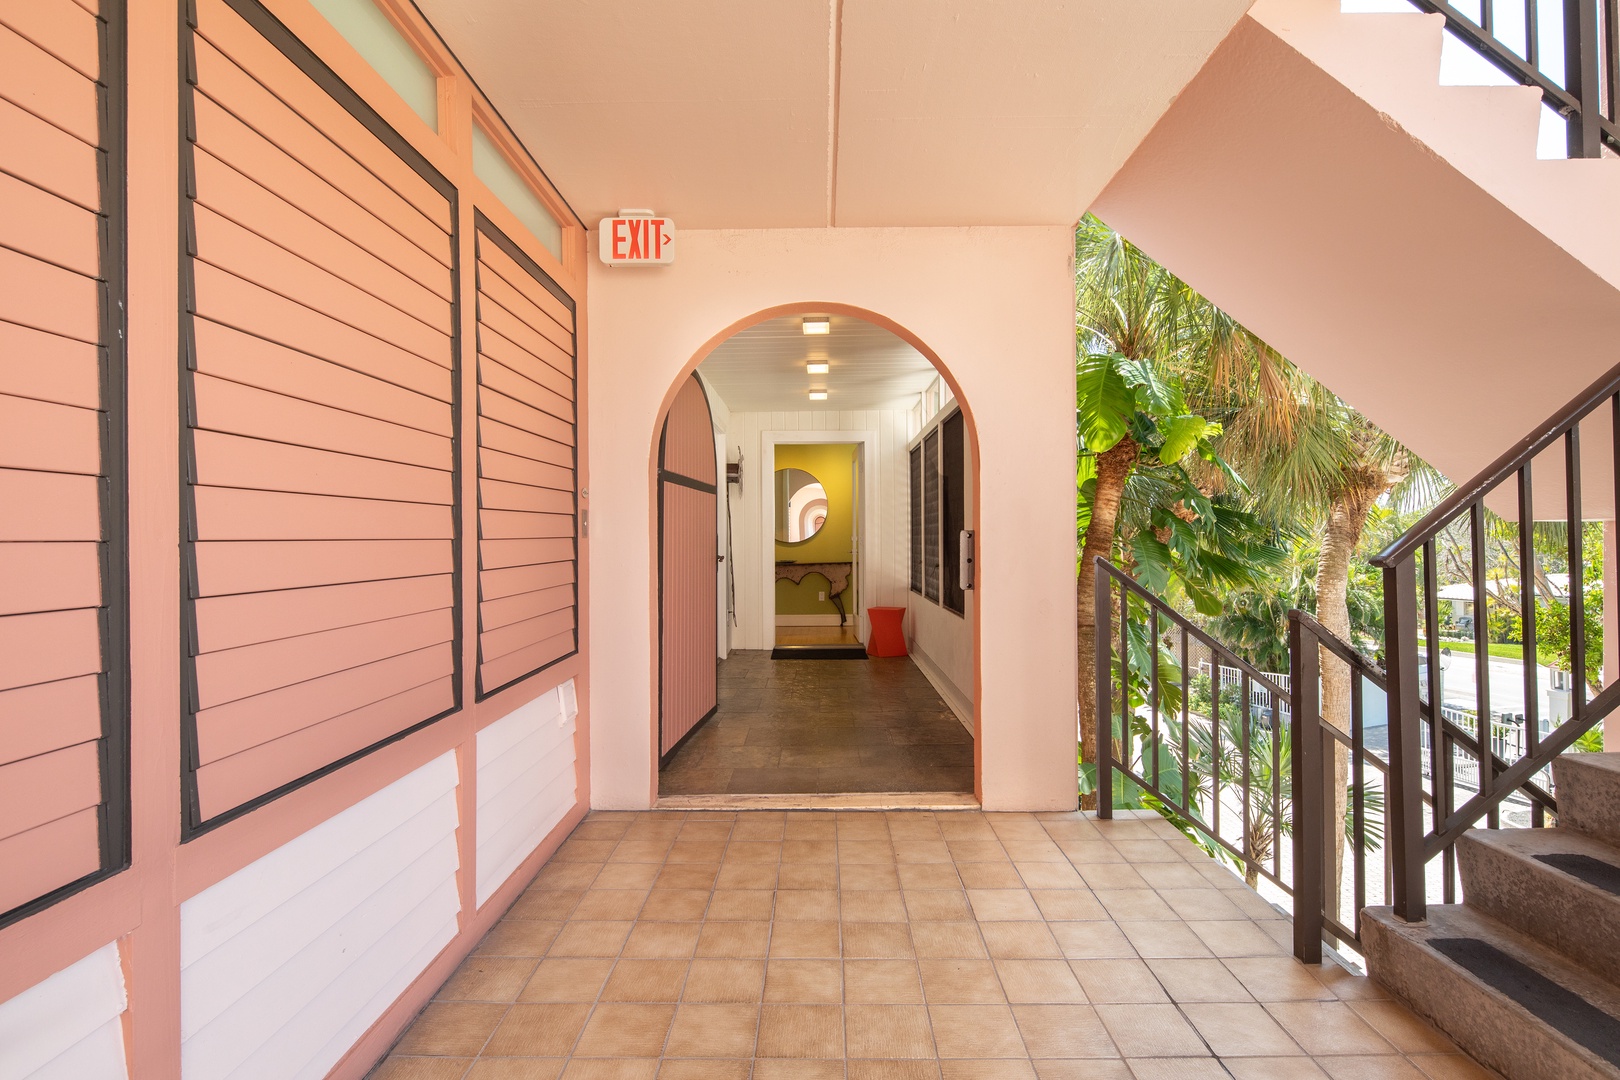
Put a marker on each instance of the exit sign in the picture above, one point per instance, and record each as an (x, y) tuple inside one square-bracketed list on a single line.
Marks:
[(636, 239)]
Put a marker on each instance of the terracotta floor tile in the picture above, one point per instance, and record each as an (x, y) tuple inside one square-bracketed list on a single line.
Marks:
[(422, 1068), (1450, 1067), (697, 851), (882, 982), (1176, 875), (871, 905), (494, 1068), (1049, 875), (1118, 981), (646, 980), (1369, 1067), (947, 939), (451, 1029), (714, 1031), (520, 937), (754, 851), (1231, 939), (488, 978), (1133, 905), (1074, 1031), (1003, 905), (626, 1031), (928, 876), (810, 826), (868, 875), (1328, 1027), (1151, 1031), (718, 981), (798, 1069), (1184, 1068), (1406, 1032), (1111, 875), (1274, 1068), (1239, 1030), (734, 939), (933, 850), (887, 1031), (567, 979), (810, 851), (698, 831), (1164, 940), (1068, 905), (807, 905), (989, 875), (1198, 979), (1039, 982), (973, 851), (976, 1031), (961, 982), (877, 941), (816, 982), (687, 876), (589, 938), (550, 905), (1278, 978), (585, 851), (806, 938), (817, 876), (705, 1069), (741, 905), (675, 905), (893, 1069), (538, 1031), (627, 876), (1021, 940), (801, 1031), (610, 904), (653, 851), (662, 940), (764, 825), (1092, 940), (746, 875), (1096, 1069), (619, 1068), (993, 1069)]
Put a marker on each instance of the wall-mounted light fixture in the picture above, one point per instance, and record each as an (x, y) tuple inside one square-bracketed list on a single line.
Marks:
[(818, 325), (818, 395), (815, 368)]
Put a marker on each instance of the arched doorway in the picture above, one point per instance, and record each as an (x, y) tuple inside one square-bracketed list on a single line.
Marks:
[(853, 484)]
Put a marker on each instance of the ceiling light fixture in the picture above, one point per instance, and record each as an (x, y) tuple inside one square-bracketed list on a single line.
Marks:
[(816, 368), (818, 395), (818, 325)]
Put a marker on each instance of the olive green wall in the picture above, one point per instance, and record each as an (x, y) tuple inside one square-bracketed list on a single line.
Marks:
[(833, 465)]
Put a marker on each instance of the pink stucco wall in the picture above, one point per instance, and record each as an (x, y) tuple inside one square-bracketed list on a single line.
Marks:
[(995, 307)]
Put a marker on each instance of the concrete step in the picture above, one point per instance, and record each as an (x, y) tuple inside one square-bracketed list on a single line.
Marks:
[(1588, 787), (1558, 886), (1511, 1002)]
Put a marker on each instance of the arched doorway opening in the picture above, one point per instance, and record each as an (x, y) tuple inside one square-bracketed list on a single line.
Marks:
[(844, 642)]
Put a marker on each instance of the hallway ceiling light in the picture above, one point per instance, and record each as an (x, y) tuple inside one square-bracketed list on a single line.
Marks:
[(815, 368), (818, 325), (818, 395)]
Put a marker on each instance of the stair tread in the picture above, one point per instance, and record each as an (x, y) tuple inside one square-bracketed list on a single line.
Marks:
[(1575, 854), (1589, 794), (1579, 1005)]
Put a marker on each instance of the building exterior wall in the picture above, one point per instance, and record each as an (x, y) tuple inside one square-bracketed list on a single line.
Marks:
[(289, 913), (993, 307)]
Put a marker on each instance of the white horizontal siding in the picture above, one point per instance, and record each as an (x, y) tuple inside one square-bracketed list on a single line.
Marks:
[(291, 959), (525, 783), (68, 1027)]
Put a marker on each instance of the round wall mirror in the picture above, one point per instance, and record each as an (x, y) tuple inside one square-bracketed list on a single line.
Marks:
[(801, 506)]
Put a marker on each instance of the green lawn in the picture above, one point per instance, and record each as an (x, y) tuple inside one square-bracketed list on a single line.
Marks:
[(1504, 650)]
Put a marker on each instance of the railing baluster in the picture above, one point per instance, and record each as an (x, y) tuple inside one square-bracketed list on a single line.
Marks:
[(1442, 810), (1305, 733), (1215, 741), (1527, 605), (1358, 809), (1482, 647), (1582, 65), (1405, 794), (1532, 34), (1577, 574), (1104, 721), (1276, 788), (1186, 718), (1153, 689), (1245, 718)]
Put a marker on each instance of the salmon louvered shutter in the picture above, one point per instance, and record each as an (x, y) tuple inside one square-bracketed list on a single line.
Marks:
[(528, 555), (322, 543), (62, 621)]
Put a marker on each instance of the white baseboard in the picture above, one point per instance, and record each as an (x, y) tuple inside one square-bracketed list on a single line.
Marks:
[(807, 620), (960, 704)]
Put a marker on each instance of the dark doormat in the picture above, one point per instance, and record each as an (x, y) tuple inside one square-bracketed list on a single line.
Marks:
[(1544, 999), (819, 652)]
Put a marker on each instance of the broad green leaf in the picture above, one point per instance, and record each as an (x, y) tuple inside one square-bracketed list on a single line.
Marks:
[(1104, 404), (1181, 435)]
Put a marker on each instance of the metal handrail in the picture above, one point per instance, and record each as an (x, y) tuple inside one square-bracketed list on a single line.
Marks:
[(1587, 96)]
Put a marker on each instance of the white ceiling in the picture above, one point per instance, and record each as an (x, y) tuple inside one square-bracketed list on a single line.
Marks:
[(762, 368), (809, 113)]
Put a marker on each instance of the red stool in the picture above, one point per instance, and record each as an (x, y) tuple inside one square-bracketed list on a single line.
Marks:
[(887, 638)]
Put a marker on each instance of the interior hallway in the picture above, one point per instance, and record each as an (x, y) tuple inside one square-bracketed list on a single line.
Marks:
[(902, 946), (823, 726)]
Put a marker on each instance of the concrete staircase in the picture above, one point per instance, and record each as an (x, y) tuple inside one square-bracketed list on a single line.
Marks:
[(1525, 974)]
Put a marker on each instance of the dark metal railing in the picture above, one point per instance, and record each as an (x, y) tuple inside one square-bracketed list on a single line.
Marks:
[(1222, 777), (1430, 808), (1576, 76)]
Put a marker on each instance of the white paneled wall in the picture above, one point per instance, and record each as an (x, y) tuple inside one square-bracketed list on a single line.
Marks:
[(525, 783), (884, 566), (68, 1027), (291, 959)]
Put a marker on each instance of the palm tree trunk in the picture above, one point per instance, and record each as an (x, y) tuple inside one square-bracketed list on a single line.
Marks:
[(1347, 515), (1113, 468)]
